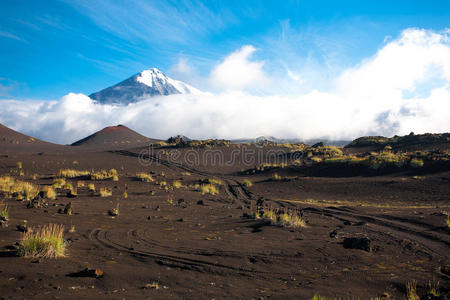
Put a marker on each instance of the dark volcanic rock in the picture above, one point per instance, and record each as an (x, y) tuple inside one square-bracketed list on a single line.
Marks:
[(358, 243), (94, 273)]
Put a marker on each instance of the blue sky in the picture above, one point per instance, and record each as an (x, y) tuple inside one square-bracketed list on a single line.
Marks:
[(51, 48)]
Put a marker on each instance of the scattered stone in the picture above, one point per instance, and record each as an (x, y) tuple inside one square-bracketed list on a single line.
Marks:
[(3, 222), (153, 285), (71, 194), (245, 215), (112, 213), (37, 202), (260, 201), (68, 210), (445, 270), (94, 273), (22, 228), (358, 243), (333, 234)]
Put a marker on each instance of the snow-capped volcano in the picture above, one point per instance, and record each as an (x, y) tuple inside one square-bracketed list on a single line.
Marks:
[(148, 83)]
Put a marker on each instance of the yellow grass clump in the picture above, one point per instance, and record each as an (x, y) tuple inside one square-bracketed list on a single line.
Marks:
[(17, 188), (105, 175), (4, 210), (49, 192), (247, 183), (416, 163), (144, 177), (177, 184), (91, 187), (46, 241), (71, 173), (59, 183), (215, 181), (411, 291), (291, 219), (209, 189), (104, 192)]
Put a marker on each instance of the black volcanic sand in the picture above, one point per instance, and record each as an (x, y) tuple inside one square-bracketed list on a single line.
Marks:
[(208, 251)]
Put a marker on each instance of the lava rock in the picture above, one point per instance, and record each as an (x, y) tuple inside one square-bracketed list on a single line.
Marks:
[(3, 222), (358, 243), (94, 273)]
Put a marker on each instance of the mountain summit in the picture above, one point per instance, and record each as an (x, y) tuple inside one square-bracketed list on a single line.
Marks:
[(148, 83)]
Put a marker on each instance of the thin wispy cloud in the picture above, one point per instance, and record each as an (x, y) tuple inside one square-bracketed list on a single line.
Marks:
[(10, 35), (158, 22)]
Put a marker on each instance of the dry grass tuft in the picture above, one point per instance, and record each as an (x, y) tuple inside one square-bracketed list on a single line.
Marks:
[(247, 183), (144, 177), (59, 183), (177, 184), (17, 188), (71, 173), (49, 192), (4, 210), (105, 175), (285, 217), (46, 241), (411, 290), (91, 187), (416, 163), (80, 184), (105, 192), (114, 212), (209, 189)]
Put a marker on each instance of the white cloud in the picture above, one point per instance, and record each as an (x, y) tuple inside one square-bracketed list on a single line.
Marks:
[(237, 71), (389, 93)]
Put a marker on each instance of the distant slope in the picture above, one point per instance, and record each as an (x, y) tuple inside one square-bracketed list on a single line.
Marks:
[(9, 136), (115, 136), (411, 142), (148, 83)]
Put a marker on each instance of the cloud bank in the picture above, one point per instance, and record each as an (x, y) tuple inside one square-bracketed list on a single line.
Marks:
[(404, 87)]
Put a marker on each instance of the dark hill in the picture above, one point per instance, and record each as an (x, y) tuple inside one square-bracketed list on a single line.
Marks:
[(116, 136)]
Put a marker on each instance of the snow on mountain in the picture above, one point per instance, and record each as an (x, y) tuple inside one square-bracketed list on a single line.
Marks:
[(148, 83)]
